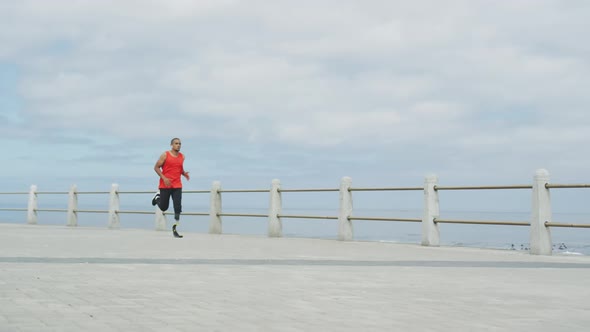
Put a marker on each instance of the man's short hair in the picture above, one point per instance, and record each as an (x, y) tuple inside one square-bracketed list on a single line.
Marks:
[(174, 139)]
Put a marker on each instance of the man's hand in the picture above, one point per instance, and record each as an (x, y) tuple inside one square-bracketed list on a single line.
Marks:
[(166, 181), (186, 176)]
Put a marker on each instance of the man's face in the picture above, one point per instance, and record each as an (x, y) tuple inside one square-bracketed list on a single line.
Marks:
[(176, 145)]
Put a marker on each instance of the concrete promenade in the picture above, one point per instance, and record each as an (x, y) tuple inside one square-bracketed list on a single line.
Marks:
[(55, 278)]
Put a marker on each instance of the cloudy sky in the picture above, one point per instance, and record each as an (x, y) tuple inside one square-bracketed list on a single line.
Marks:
[(477, 92)]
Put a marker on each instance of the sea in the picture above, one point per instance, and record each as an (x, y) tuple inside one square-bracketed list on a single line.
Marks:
[(566, 241)]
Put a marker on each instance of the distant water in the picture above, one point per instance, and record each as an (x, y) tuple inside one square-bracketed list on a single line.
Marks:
[(566, 241)]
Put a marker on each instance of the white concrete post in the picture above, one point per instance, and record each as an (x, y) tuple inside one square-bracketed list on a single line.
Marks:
[(215, 209), (275, 226), (161, 222), (32, 206), (344, 223), (114, 207), (540, 234), (72, 207), (430, 231)]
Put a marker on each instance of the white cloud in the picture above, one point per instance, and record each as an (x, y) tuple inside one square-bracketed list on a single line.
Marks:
[(334, 128), (474, 75)]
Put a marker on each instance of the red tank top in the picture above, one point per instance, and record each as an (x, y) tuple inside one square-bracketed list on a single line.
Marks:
[(172, 169)]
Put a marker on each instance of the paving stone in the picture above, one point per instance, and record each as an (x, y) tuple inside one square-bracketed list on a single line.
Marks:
[(55, 278)]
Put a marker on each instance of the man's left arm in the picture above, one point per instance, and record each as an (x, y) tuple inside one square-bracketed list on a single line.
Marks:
[(184, 173)]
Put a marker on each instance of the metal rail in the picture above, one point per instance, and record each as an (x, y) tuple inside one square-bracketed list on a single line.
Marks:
[(482, 187), (51, 210), (481, 222), (166, 213), (52, 192), (548, 185), (13, 209), (135, 212), (558, 224), (14, 193), (388, 189), (244, 190), (195, 191), (137, 192), (172, 213), (153, 191), (292, 216), (92, 192), (91, 211), (385, 219), (194, 213), (243, 215), (107, 211), (308, 190)]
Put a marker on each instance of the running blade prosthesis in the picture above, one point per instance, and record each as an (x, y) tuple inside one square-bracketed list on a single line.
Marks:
[(175, 232)]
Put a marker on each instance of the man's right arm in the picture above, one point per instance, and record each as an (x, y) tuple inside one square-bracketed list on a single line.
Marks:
[(158, 168)]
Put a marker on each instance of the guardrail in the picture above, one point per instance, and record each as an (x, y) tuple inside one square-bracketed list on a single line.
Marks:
[(541, 218)]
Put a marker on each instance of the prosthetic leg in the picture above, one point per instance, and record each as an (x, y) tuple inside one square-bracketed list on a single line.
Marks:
[(174, 232)]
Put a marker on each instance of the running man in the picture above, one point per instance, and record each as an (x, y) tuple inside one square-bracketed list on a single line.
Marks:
[(169, 168)]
